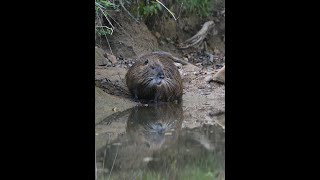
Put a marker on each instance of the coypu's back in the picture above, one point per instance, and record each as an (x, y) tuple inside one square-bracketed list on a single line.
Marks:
[(154, 77)]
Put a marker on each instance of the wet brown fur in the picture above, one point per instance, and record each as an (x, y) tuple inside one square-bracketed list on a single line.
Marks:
[(141, 78)]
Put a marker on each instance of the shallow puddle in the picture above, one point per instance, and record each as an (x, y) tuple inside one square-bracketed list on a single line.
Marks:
[(151, 142)]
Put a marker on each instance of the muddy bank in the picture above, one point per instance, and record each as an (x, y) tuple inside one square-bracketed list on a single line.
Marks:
[(129, 40), (106, 104)]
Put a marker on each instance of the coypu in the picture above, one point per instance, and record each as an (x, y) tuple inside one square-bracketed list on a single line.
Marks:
[(154, 77)]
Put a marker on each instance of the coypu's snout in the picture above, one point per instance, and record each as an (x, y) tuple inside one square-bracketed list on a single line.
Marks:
[(161, 75)]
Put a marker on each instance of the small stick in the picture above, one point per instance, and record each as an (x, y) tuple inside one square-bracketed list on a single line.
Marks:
[(167, 9)]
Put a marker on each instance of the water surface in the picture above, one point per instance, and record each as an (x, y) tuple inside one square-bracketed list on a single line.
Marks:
[(149, 142)]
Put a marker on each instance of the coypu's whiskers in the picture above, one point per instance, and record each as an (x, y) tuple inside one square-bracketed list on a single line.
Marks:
[(146, 78)]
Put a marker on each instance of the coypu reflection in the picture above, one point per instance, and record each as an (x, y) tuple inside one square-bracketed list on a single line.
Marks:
[(146, 133), (149, 125)]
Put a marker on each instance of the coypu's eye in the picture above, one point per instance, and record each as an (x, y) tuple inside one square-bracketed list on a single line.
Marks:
[(146, 62)]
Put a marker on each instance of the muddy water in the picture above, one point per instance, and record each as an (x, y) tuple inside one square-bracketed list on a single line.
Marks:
[(151, 142)]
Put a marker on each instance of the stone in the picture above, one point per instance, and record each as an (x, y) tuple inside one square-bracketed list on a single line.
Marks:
[(112, 58), (220, 76), (157, 34), (208, 79), (100, 60)]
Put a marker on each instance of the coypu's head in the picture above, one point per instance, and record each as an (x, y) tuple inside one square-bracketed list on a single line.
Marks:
[(153, 70), (154, 78)]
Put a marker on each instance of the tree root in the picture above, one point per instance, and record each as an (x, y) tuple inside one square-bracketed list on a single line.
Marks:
[(169, 55), (197, 38)]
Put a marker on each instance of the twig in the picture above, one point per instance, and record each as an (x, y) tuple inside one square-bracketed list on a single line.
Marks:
[(109, 44), (95, 159), (167, 9), (113, 162), (125, 9), (100, 5), (106, 17), (100, 20), (125, 32), (180, 10), (222, 126)]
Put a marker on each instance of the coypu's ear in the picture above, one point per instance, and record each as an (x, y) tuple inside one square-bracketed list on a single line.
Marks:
[(146, 61)]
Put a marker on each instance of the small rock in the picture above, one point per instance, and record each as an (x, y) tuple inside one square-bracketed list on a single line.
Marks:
[(147, 159), (208, 79), (220, 76), (100, 60), (112, 58), (216, 51), (186, 59), (168, 39), (179, 65), (218, 66), (157, 34), (215, 31), (114, 109), (205, 93)]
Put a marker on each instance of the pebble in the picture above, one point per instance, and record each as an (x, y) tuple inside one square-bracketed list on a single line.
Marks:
[(208, 78)]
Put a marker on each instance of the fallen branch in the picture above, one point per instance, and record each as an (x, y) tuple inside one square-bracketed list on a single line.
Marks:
[(175, 59), (197, 38)]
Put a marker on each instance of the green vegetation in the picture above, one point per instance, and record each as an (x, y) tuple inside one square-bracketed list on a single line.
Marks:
[(145, 9), (200, 7), (151, 10), (101, 7)]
